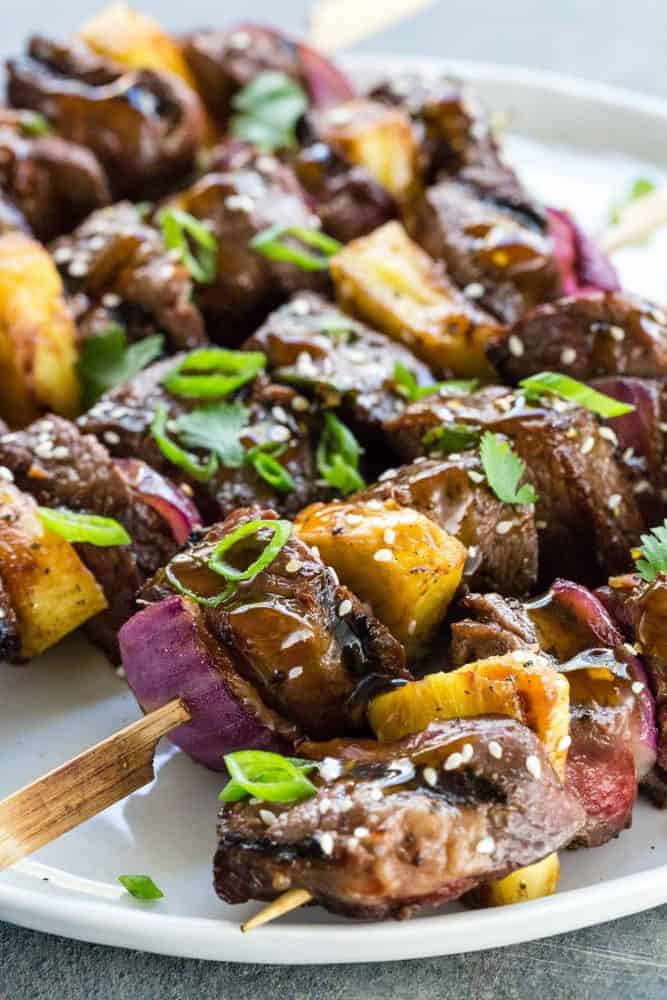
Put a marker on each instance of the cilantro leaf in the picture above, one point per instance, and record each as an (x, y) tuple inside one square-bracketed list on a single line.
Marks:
[(503, 469), (216, 428), (106, 360), (141, 886), (267, 110), (651, 559), (640, 187), (452, 437)]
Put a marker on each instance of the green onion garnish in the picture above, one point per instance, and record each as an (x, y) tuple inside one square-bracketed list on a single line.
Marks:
[(194, 241), (267, 776), (407, 384), (503, 469), (206, 602), (280, 533), (141, 886), (452, 437), (267, 110), (100, 531), (213, 372), (639, 189), (264, 460), (338, 455), (574, 391), (202, 473), (278, 243), (35, 124)]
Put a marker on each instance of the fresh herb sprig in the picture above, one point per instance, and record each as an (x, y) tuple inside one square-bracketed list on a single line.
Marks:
[(107, 359), (651, 558), (267, 110), (503, 470)]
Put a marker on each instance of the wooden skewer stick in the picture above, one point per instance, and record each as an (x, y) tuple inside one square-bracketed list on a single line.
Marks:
[(637, 221), (289, 900), (336, 24), (84, 786)]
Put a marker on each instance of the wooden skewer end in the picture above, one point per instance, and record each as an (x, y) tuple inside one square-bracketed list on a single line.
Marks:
[(289, 900)]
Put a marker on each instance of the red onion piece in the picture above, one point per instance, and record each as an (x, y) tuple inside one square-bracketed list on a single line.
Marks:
[(588, 612), (583, 265), (639, 430), (167, 653), (326, 84), (162, 495)]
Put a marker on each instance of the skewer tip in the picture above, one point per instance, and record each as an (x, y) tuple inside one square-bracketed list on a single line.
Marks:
[(289, 900)]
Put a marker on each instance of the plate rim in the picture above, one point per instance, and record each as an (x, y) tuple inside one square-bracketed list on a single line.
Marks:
[(131, 926)]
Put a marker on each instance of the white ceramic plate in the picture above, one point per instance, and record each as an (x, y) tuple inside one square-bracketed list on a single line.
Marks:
[(578, 145)]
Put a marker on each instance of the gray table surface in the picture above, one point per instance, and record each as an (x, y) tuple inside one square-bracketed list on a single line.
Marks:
[(616, 41)]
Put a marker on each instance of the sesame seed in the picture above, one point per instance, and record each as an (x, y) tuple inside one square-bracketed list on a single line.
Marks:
[(361, 831), (609, 434), (564, 742), (266, 164), (352, 842), (300, 404), (388, 474), (412, 626), (642, 486), (300, 307), (78, 268), (293, 566), (376, 794), (278, 413), (330, 769), (474, 290), (340, 116), (637, 687), (629, 648), (316, 552), (240, 40), (475, 477), (389, 536), (344, 608), (383, 555), (279, 433), (111, 300), (305, 365), (294, 673), (239, 203), (326, 843), (617, 332), (120, 672), (44, 449), (6, 474), (267, 816), (466, 753), (487, 845), (614, 501), (61, 452), (353, 519), (453, 761), (503, 527), (111, 437), (588, 445), (430, 776), (568, 356), (533, 766), (495, 749), (324, 805), (515, 346), (62, 255)]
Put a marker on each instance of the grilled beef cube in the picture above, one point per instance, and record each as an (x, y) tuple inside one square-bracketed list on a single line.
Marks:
[(300, 638), (54, 184), (586, 336), (238, 205), (122, 420), (60, 467), (454, 136), (316, 347), (144, 126), (501, 259), (587, 514), (117, 269), (496, 625), (396, 829), (454, 494), (223, 62)]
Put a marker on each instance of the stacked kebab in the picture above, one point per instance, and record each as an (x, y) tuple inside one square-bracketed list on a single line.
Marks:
[(322, 418)]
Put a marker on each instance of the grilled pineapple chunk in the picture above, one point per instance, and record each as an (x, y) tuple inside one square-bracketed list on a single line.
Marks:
[(396, 559), (521, 685), (37, 335), (386, 279), (377, 137), (532, 882), (50, 589), (135, 40)]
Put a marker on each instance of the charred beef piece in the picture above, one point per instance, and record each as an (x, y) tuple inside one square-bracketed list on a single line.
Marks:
[(10, 638), (587, 514), (117, 269), (496, 626), (238, 205), (225, 61), (498, 256), (144, 126), (54, 184), (123, 417), (60, 467), (301, 639), (454, 493), (394, 830), (313, 345), (586, 336)]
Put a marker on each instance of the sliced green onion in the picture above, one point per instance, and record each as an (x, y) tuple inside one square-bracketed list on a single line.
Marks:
[(206, 602), (452, 437), (35, 124), (272, 243), (267, 776), (141, 886), (281, 531), (213, 372), (409, 387), (338, 455), (574, 391), (335, 326), (264, 460), (192, 238), (175, 454), (100, 531)]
